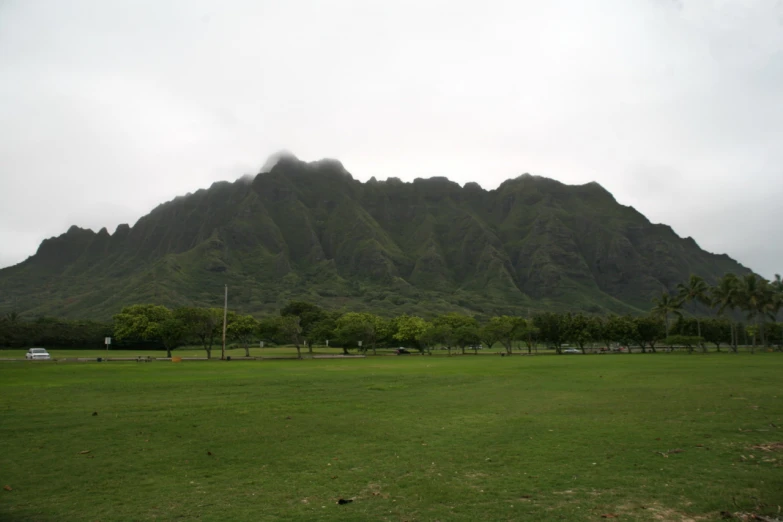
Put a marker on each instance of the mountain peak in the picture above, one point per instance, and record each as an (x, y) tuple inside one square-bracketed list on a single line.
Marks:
[(73, 229), (275, 158)]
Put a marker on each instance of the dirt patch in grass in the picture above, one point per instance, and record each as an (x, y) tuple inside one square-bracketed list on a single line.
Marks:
[(372, 490), (657, 511), (671, 515), (769, 446)]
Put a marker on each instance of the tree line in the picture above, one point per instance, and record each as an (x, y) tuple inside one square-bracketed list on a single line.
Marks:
[(737, 310), (304, 324), (16, 332), (752, 297)]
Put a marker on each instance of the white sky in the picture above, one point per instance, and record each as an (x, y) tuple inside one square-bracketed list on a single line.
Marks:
[(108, 108)]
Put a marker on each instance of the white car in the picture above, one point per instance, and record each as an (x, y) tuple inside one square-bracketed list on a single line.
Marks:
[(37, 354), (571, 350)]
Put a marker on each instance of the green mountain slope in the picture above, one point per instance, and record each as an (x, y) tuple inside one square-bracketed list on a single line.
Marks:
[(310, 231)]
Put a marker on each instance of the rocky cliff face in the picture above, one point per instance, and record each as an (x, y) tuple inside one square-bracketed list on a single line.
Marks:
[(310, 231)]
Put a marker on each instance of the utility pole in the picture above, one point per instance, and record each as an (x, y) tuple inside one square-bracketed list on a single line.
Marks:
[(225, 314)]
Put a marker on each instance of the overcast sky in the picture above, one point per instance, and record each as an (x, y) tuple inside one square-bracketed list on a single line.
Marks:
[(108, 108)]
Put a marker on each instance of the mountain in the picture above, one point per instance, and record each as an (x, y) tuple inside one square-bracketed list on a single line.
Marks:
[(309, 231)]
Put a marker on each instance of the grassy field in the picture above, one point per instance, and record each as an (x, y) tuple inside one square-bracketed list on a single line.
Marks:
[(647, 437)]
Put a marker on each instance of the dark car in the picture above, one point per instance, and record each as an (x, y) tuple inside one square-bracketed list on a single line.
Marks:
[(402, 351)]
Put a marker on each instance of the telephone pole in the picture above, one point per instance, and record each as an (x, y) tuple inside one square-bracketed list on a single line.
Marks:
[(225, 314)]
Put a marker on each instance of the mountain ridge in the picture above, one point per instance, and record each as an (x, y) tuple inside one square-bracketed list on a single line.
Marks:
[(311, 231)]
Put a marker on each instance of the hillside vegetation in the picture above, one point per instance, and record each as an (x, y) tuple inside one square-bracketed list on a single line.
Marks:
[(309, 231)]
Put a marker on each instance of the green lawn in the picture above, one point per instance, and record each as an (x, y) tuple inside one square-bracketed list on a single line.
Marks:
[(407, 438)]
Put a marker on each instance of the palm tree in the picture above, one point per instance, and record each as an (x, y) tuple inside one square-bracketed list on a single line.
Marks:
[(725, 296), (777, 290), (777, 297), (665, 305), (757, 298), (695, 291)]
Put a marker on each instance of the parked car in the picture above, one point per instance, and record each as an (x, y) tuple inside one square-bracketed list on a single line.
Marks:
[(571, 350), (37, 354), (402, 351)]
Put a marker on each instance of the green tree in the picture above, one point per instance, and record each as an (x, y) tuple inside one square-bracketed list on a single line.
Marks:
[(695, 291), (12, 329), (725, 296), (9, 331), (172, 333), (290, 329), (268, 329), (756, 297), (429, 337), (242, 329), (204, 324), (488, 335), (322, 330), (467, 335), (408, 330), (775, 334), (464, 329), (626, 330), (648, 331), (717, 331), (617, 329), (527, 332), (364, 327), (438, 334), (606, 331), (52, 332), (142, 322), (507, 329), (665, 306), (776, 286), (552, 328), (581, 329), (309, 315)]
